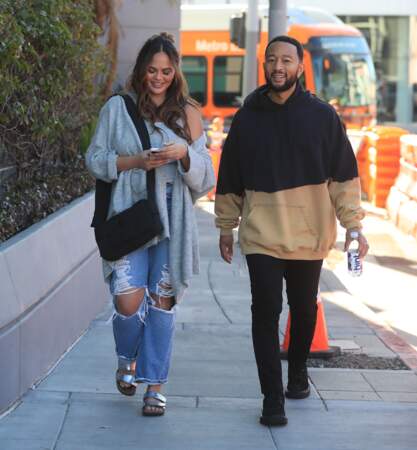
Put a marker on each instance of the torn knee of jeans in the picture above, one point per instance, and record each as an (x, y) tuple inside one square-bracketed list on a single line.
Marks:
[(140, 312), (129, 290), (122, 316), (164, 288), (123, 277)]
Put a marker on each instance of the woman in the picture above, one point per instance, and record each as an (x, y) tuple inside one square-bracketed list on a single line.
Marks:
[(147, 283)]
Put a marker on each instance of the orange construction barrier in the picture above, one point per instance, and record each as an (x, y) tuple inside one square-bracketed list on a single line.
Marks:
[(402, 200), (379, 161), (320, 347), (362, 158), (408, 148)]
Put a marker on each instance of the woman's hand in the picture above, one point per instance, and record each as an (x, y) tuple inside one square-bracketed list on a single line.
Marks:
[(172, 152), (147, 161), (142, 161)]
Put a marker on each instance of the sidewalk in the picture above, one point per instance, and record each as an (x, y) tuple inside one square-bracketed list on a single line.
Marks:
[(213, 394)]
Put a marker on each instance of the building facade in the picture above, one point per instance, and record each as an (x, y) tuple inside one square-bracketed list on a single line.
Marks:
[(140, 19), (391, 31)]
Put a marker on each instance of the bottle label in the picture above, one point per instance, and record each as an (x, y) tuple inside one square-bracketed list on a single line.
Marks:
[(354, 262)]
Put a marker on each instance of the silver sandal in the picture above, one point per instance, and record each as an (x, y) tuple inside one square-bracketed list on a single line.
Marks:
[(126, 374), (156, 401)]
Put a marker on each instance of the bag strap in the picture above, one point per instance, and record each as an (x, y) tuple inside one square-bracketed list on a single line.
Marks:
[(103, 189), (144, 138)]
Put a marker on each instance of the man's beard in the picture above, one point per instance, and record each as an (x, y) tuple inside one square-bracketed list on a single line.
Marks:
[(289, 83)]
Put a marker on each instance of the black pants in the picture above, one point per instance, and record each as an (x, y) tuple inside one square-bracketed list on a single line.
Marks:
[(302, 280)]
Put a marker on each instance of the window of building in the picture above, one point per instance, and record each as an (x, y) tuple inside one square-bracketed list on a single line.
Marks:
[(194, 69), (388, 39), (228, 80)]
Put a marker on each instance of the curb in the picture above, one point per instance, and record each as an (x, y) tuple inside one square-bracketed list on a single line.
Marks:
[(397, 344)]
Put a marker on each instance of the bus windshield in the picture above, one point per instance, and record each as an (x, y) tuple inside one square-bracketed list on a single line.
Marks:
[(344, 74)]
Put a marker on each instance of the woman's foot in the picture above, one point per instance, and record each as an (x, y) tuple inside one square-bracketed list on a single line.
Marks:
[(125, 379), (154, 403)]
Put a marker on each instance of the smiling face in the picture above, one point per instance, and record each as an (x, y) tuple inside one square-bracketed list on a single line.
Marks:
[(282, 66), (160, 73)]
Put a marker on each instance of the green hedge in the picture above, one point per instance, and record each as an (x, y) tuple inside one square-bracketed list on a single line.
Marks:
[(51, 65)]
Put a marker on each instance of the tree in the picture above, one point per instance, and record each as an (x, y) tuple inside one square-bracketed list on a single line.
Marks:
[(106, 19)]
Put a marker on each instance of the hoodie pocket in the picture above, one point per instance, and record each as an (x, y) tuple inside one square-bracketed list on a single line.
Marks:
[(279, 227)]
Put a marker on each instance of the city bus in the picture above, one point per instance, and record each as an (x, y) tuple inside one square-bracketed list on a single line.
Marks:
[(337, 59)]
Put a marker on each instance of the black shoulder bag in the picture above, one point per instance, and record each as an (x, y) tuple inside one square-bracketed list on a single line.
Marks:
[(135, 226)]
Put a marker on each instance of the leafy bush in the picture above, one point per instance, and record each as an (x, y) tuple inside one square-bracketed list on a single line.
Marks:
[(51, 72), (50, 65)]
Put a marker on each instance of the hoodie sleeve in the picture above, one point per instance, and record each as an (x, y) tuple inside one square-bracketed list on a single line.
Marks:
[(344, 184), (229, 191)]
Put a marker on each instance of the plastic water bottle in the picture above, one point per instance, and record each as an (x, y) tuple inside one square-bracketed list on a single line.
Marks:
[(354, 262)]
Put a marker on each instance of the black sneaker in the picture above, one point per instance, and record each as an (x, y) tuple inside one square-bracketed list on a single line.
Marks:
[(273, 413), (298, 386)]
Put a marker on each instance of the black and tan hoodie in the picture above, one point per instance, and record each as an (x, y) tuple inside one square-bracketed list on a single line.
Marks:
[(286, 172)]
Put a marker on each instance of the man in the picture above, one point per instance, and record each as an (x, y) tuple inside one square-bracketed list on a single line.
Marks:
[(287, 170)]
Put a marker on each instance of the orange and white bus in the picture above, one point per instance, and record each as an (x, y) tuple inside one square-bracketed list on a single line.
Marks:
[(338, 62)]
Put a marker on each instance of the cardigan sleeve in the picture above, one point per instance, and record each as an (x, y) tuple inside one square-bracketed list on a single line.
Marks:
[(101, 157), (200, 176)]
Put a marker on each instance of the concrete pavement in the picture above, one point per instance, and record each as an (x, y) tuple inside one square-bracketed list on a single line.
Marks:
[(213, 394)]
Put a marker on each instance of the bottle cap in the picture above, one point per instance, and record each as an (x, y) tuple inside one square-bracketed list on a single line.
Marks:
[(354, 234)]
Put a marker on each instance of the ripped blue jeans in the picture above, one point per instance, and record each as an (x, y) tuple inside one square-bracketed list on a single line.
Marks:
[(146, 336)]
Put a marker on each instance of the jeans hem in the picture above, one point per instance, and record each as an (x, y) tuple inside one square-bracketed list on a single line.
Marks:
[(150, 381), (126, 358)]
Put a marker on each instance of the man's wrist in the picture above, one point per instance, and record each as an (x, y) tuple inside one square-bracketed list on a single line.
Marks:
[(355, 230), (226, 232)]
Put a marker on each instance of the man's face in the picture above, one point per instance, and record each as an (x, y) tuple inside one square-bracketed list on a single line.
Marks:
[(282, 66)]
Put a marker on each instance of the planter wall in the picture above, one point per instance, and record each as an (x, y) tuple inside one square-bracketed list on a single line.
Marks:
[(51, 287)]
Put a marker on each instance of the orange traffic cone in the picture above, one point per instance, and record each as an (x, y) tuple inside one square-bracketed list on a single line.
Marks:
[(320, 346)]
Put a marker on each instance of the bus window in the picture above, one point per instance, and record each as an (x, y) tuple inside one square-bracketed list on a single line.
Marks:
[(194, 69), (343, 70), (227, 89)]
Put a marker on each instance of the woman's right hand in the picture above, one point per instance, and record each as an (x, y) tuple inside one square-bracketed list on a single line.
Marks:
[(143, 160), (147, 162)]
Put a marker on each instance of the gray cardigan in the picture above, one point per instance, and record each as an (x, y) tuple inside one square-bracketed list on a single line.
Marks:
[(116, 135)]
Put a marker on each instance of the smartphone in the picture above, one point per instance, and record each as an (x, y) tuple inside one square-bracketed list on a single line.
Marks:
[(155, 149)]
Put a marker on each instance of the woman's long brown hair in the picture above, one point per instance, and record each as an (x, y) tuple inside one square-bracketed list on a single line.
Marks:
[(172, 111)]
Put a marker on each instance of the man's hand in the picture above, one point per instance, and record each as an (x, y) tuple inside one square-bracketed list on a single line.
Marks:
[(226, 247), (363, 243)]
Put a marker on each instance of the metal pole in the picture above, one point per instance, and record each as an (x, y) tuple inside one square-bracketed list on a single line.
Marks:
[(250, 79), (277, 23)]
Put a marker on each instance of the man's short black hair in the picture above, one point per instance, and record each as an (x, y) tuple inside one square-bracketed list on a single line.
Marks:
[(289, 40)]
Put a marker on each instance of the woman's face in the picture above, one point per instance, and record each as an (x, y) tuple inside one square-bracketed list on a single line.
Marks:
[(159, 75)]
